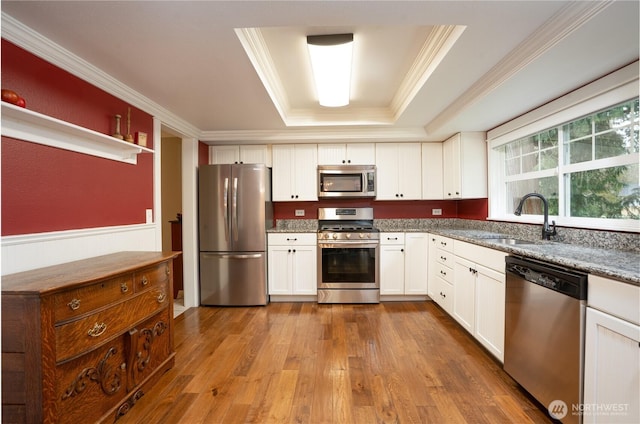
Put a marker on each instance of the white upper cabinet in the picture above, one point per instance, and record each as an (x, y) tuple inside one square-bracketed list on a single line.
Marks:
[(239, 154), (399, 175), (432, 171), (465, 166), (294, 173), (347, 154)]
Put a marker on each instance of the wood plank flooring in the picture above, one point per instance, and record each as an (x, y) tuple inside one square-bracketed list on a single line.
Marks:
[(395, 362)]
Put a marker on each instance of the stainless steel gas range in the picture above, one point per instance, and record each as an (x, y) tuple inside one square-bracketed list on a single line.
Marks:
[(348, 256)]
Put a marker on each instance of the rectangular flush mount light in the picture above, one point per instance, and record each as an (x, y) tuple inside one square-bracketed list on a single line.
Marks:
[(331, 64)]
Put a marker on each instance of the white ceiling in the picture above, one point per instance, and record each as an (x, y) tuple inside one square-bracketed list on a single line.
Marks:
[(423, 70)]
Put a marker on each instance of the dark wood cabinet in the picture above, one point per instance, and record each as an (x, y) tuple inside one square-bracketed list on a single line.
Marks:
[(82, 341)]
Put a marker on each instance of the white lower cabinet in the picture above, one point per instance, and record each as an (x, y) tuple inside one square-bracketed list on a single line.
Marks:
[(464, 293), (392, 263), (292, 263), (479, 294), (490, 310), (416, 265), (440, 285), (403, 263), (612, 353)]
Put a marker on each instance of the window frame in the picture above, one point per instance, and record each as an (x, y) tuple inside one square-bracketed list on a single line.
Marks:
[(615, 88)]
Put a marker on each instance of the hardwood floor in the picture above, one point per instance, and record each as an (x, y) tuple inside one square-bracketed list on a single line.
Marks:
[(395, 362)]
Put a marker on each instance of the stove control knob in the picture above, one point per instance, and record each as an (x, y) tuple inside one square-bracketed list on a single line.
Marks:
[(335, 236), (348, 235), (361, 235)]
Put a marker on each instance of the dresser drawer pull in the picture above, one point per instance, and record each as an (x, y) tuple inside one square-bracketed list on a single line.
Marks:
[(97, 330), (167, 271), (161, 297), (74, 304), (144, 280), (124, 288)]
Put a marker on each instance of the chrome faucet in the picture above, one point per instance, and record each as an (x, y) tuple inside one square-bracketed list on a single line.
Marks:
[(547, 232)]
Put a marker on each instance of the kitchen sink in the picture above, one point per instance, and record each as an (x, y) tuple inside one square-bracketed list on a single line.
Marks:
[(509, 241)]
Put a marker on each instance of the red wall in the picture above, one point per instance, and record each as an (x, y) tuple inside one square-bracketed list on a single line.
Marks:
[(203, 153), (467, 209), (48, 189)]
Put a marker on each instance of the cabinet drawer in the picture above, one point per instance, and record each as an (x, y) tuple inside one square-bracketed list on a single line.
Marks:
[(444, 243), (84, 334), (444, 272), (83, 300), (91, 385), (392, 238), (152, 276), (444, 257), (444, 295), (290, 239)]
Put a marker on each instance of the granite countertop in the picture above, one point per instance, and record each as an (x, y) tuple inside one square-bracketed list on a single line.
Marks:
[(617, 264), (621, 265)]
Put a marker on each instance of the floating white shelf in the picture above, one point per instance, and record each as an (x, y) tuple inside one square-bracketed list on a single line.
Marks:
[(24, 124)]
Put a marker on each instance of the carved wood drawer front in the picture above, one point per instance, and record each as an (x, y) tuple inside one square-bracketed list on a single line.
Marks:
[(73, 303), (91, 385), (84, 334), (152, 276)]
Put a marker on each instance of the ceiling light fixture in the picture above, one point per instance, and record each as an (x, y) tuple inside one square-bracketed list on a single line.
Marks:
[(331, 64)]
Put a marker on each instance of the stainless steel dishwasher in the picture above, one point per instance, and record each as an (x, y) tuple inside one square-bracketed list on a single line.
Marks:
[(544, 333)]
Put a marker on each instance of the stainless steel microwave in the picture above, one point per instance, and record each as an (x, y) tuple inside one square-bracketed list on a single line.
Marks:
[(346, 181)]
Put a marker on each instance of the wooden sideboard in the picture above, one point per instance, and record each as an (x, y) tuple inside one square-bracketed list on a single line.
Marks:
[(82, 341)]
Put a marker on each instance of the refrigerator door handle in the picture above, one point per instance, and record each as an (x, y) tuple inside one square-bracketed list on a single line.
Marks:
[(240, 256), (234, 205), (225, 201)]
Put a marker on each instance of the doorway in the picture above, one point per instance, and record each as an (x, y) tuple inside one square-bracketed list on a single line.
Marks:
[(171, 205)]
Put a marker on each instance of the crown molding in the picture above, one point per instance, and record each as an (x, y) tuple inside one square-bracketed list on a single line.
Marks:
[(258, 52), (325, 135), (567, 20), (440, 40), (32, 41)]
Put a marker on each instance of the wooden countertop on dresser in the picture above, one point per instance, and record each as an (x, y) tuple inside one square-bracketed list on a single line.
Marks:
[(82, 272)]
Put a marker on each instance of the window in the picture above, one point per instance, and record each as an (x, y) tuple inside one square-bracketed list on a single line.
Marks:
[(588, 170)]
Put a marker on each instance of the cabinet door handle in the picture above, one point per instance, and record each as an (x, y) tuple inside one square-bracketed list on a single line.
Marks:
[(144, 281), (124, 288), (97, 330), (167, 270), (161, 297), (74, 304)]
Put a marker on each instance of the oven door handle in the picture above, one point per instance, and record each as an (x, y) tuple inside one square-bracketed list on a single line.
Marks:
[(347, 244)]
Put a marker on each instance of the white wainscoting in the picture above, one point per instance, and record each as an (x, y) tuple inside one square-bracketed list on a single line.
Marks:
[(31, 251)]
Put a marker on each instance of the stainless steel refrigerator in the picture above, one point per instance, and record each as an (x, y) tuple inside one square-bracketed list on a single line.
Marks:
[(235, 210)]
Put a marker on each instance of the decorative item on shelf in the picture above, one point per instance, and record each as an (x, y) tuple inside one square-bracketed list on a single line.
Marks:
[(117, 133), (141, 138), (128, 137), (12, 97)]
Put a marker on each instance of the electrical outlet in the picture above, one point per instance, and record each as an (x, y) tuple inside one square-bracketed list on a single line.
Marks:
[(436, 212), (149, 213), (299, 212)]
